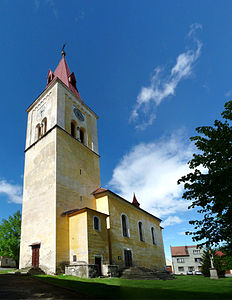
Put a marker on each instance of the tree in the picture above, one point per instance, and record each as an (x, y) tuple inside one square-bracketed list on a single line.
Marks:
[(10, 231), (209, 185), (218, 261)]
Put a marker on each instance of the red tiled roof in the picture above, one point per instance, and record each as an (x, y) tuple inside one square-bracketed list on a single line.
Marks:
[(219, 253), (63, 73), (180, 251), (99, 190)]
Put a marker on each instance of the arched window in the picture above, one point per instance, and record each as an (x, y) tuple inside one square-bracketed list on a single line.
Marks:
[(82, 135), (38, 131), (44, 123), (73, 129), (153, 235), (96, 223), (141, 235), (125, 225)]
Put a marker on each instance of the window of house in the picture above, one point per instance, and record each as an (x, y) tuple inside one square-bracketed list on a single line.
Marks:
[(6, 261), (198, 259), (125, 226), (191, 268), (96, 223), (73, 129), (181, 269), (180, 260), (82, 135), (141, 234), (196, 251), (153, 235)]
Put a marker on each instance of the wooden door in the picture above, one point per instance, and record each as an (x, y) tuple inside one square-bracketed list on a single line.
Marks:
[(98, 263), (35, 256), (128, 258)]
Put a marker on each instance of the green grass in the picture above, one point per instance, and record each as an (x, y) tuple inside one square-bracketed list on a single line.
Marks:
[(183, 287), (5, 271)]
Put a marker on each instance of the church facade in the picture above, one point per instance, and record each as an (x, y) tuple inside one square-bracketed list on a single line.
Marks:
[(69, 222)]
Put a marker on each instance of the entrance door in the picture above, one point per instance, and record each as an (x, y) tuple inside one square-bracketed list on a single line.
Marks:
[(35, 256), (98, 263), (128, 258)]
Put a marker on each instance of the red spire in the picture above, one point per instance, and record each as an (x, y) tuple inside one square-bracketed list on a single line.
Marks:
[(135, 201), (63, 73)]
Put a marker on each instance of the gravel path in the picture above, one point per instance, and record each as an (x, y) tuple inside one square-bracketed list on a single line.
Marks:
[(26, 287)]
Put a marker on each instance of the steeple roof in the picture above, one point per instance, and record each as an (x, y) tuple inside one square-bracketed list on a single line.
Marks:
[(63, 73), (135, 201)]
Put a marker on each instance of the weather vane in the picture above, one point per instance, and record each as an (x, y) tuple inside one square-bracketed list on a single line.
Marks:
[(63, 52)]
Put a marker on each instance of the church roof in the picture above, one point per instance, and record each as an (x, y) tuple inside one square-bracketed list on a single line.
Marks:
[(80, 210), (103, 190), (63, 73)]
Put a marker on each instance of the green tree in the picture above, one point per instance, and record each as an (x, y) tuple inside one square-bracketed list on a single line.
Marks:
[(218, 261), (10, 231), (209, 185)]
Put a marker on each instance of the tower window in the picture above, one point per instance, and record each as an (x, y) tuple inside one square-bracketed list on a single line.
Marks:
[(73, 129), (74, 258), (125, 225), (141, 235), (82, 135), (153, 235), (38, 131), (96, 223), (44, 123)]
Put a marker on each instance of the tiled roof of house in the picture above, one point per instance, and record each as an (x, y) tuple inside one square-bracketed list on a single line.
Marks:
[(180, 251)]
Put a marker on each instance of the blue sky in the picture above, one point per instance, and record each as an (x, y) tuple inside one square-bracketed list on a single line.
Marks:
[(152, 70)]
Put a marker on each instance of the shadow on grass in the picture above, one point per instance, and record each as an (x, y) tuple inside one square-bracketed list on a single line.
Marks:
[(107, 291)]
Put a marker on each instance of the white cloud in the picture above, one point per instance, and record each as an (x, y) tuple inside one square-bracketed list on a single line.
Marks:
[(171, 220), (14, 192), (162, 87), (50, 3), (151, 171), (182, 233)]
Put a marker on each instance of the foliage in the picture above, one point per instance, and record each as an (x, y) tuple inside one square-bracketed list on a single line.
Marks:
[(209, 185), (10, 237), (218, 261), (183, 287)]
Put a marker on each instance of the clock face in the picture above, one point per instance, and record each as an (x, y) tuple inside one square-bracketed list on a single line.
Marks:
[(78, 114)]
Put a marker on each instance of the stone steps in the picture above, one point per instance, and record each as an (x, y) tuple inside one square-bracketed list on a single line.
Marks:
[(141, 273)]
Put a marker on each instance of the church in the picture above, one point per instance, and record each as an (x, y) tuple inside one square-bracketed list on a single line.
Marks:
[(69, 222)]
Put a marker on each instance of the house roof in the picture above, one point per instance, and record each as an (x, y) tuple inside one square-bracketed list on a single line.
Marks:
[(103, 190), (180, 251)]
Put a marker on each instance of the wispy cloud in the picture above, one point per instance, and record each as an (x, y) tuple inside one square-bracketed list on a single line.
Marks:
[(13, 191), (182, 233), (171, 220), (50, 3), (162, 86), (151, 171)]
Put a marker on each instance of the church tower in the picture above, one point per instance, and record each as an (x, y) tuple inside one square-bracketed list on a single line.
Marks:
[(61, 169)]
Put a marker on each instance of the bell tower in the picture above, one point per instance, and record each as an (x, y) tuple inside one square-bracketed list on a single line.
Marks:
[(61, 169)]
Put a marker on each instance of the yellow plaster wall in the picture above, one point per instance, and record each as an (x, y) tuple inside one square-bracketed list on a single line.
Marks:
[(97, 240), (143, 253), (78, 237), (72, 156), (38, 212)]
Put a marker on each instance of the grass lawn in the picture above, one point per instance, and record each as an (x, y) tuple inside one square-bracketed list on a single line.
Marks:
[(5, 271), (182, 288)]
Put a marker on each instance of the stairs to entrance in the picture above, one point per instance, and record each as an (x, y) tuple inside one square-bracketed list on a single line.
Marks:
[(145, 273), (28, 271)]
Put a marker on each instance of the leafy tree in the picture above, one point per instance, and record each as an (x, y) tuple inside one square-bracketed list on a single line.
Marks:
[(10, 231), (218, 261), (209, 185)]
